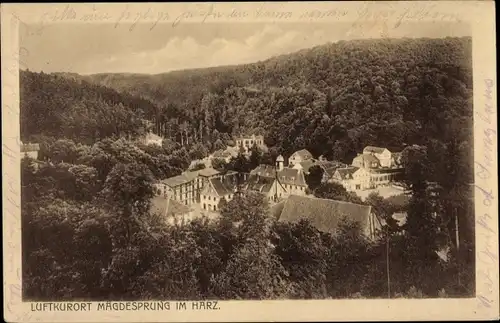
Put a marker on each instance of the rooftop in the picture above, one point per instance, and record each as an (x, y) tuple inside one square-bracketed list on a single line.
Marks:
[(224, 186), (29, 147), (324, 214), (285, 176), (259, 184), (303, 153), (208, 172), (346, 173), (179, 179), (373, 149), (164, 206)]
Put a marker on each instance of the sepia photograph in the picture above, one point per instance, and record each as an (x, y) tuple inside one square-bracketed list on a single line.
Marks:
[(298, 160)]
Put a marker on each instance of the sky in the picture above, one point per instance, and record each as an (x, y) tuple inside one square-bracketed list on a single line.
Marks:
[(102, 48)]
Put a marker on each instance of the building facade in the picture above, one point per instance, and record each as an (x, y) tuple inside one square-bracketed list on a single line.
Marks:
[(152, 139), (382, 154), (29, 150), (186, 188), (352, 178), (222, 187), (288, 180), (299, 156), (247, 142), (382, 166)]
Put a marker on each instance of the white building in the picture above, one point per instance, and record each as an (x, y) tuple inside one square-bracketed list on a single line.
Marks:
[(29, 150), (353, 178), (299, 157), (216, 189), (382, 154), (247, 142), (153, 139)]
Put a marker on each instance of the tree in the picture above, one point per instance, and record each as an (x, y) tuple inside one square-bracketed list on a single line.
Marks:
[(315, 177), (335, 191), (304, 256), (219, 164), (219, 145), (255, 157), (198, 166)]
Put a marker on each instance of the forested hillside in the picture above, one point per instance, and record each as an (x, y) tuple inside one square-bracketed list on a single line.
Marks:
[(88, 231), (333, 99), (59, 106)]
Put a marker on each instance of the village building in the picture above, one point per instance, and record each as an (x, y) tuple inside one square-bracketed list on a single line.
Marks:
[(152, 139), (216, 189), (172, 211), (272, 190), (325, 214), (29, 150), (247, 142), (352, 178), (186, 188), (383, 166), (179, 188), (289, 180), (328, 167), (383, 155), (366, 161), (224, 155), (397, 161), (299, 156)]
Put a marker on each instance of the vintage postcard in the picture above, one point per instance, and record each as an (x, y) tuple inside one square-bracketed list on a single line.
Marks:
[(230, 162)]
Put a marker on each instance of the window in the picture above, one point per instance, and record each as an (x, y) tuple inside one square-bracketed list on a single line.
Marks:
[(204, 206)]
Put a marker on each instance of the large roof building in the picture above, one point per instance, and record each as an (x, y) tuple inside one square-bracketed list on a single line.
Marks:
[(325, 215)]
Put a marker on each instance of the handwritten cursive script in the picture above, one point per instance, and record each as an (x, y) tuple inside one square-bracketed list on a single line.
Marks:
[(484, 171)]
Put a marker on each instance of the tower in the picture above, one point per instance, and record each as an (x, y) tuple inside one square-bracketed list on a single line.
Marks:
[(280, 162)]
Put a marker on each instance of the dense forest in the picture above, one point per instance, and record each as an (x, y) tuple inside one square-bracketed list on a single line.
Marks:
[(409, 95)]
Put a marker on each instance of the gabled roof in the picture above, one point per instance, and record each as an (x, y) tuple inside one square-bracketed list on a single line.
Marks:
[(264, 170), (292, 177), (260, 184), (373, 149), (179, 179), (346, 173), (367, 158), (306, 164), (208, 172), (29, 147), (324, 214), (330, 171), (303, 153), (165, 206), (224, 186), (277, 209), (287, 175)]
